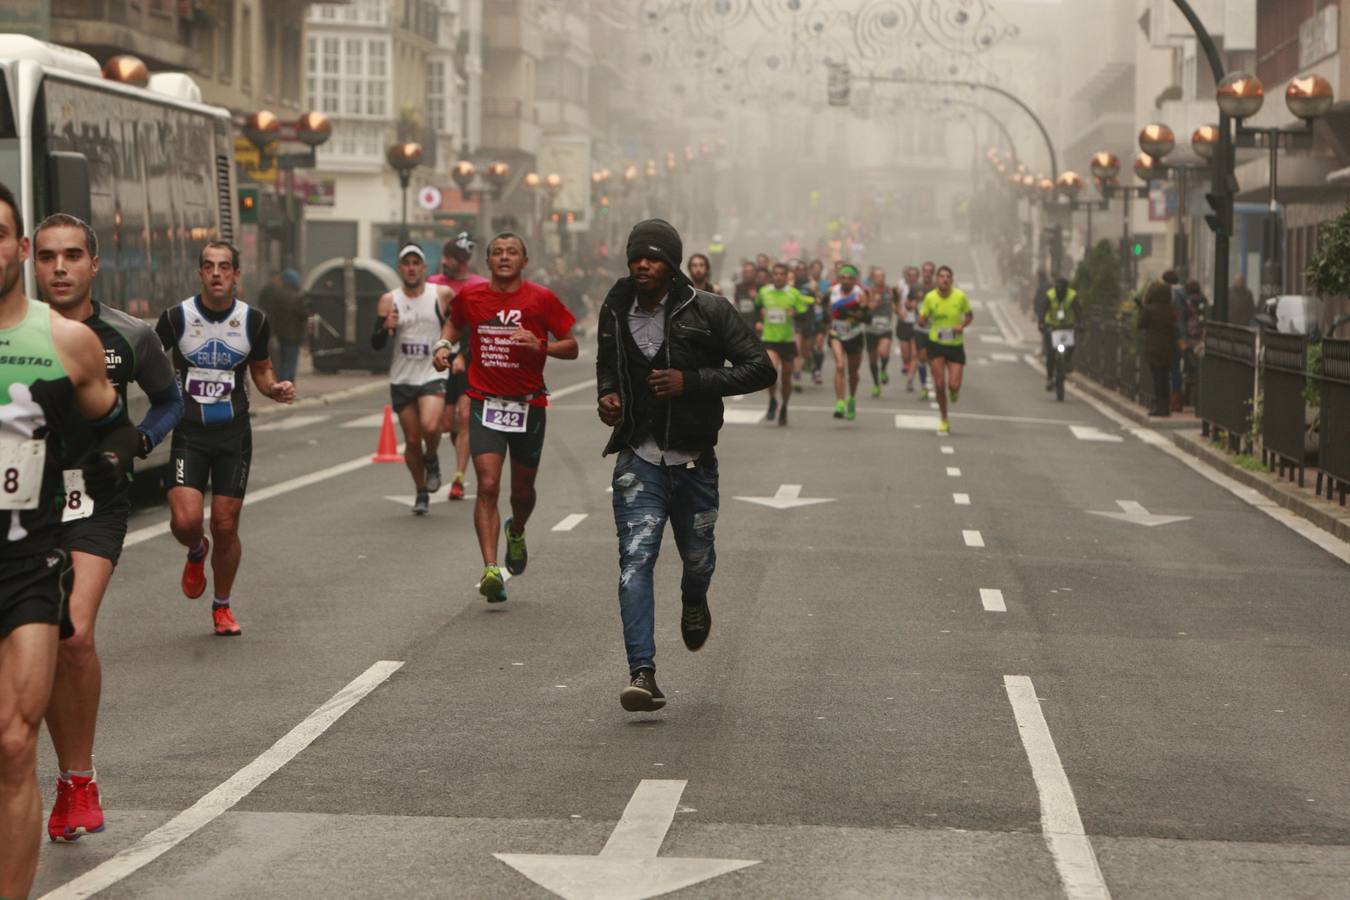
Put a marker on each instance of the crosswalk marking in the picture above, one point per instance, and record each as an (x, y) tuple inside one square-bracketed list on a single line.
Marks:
[(290, 423)]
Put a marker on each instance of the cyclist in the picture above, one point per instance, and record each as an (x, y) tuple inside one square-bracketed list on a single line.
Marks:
[(1062, 310)]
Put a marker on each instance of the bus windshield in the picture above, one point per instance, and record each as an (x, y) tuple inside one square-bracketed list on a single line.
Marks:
[(9, 140)]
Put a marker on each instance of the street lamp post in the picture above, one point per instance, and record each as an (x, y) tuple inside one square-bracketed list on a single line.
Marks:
[(552, 185), (404, 157), (1156, 140), (1242, 96), (1070, 184), (1106, 167)]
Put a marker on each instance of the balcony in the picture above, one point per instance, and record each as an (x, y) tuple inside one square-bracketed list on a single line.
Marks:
[(508, 125), (511, 26), (102, 28)]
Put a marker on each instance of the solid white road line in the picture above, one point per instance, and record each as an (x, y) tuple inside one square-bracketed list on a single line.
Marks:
[(916, 423), (743, 416), (236, 788), (1060, 823), (948, 449), (992, 600), (1004, 321), (374, 420), (972, 538), (570, 522), (290, 423), (1003, 357), (1302, 527), (992, 339), (1089, 433), (961, 499), (953, 472)]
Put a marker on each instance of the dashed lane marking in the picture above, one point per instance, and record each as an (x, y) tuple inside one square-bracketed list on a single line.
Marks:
[(972, 538), (953, 472), (948, 449), (1003, 357), (569, 522), (961, 499), (1060, 823), (992, 600), (223, 798)]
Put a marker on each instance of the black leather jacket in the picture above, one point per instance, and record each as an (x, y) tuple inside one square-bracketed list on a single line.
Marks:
[(703, 331)]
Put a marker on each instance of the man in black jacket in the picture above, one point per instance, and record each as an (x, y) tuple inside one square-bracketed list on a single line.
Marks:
[(661, 379)]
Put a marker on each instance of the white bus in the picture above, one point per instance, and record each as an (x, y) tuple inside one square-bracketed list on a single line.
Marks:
[(151, 169)]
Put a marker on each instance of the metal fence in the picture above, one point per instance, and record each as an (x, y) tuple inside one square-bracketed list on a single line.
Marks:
[(1108, 353), (1333, 445), (1284, 419), (1227, 383)]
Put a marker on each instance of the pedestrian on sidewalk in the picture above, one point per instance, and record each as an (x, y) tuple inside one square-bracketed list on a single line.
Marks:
[(661, 380), (1241, 302), (1158, 322), (284, 306)]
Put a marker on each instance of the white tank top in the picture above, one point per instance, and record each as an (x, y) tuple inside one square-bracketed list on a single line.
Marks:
[(419, 328)]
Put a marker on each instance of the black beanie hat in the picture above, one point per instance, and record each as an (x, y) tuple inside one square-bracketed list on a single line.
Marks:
[(656, 239)]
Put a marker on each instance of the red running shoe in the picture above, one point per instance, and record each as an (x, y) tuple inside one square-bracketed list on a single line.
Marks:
[(77, 811), (457, 489), (194, 573), (226, 624)]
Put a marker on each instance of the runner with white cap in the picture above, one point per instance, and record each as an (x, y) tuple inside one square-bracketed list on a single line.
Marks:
[(413, 316)]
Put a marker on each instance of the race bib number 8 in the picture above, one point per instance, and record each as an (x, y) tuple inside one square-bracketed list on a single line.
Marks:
[(209, 385), (510, 416), (78, 505), (21, 473)]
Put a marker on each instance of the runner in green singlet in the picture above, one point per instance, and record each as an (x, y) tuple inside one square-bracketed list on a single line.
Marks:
[(779, 306), (946, 314)]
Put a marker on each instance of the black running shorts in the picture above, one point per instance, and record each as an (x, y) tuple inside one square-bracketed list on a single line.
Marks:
[(904, 331), (400, 395), (851, 346), (219, 456), (33, 591), (455, 386), (786, 350), (527, 447), (921, 341), (103, 532), (951, 354)]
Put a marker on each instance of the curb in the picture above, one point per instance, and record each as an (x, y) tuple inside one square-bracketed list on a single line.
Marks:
[(321, 400), (1185, 434)]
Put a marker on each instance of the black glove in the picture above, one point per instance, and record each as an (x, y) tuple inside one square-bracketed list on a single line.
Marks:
[(102, 475)]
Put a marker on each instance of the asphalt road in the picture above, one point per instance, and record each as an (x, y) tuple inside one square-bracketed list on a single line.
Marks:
[(864, 721)]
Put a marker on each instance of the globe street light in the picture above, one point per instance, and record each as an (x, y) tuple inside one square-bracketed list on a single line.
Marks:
[(1157, 141), (1106, 168), (1307, 97), (404, 157)]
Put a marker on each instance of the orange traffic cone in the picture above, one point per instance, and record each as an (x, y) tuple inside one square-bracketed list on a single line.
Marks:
[(387, 449)]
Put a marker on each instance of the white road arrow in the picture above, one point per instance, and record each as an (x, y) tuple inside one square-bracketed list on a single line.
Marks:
[(628, 867), (1134, 512), (787, 497)]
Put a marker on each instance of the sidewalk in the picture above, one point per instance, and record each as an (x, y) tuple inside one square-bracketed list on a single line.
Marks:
[(1183, 429), (320, 389)]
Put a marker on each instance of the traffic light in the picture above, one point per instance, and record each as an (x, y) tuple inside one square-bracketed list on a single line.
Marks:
[(1221, 219), (1141, 246), (837, 81), (248, 205)]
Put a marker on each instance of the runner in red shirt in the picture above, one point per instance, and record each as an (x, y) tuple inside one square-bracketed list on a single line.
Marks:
[(509, 323)]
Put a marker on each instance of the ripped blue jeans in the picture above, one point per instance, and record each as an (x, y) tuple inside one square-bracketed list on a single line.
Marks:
[(645, 496)]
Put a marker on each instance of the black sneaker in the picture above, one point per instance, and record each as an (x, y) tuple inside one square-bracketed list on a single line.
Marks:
[(642, 694), (433, 469), (695, 623), (422, 503), (773, 409)]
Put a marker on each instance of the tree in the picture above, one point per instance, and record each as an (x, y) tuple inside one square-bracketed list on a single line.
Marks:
[(1097, 280), (1329, 269)]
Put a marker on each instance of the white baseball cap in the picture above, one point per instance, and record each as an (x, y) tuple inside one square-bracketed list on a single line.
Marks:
[(413, 249)]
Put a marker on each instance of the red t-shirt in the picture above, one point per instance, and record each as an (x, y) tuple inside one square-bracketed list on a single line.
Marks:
[(498, 367)]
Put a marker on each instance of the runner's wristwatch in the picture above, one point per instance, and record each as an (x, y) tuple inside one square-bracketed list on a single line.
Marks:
[(443, 344)]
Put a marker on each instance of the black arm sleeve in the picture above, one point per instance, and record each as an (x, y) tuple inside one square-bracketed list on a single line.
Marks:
[(380, 336), (115, 434)]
